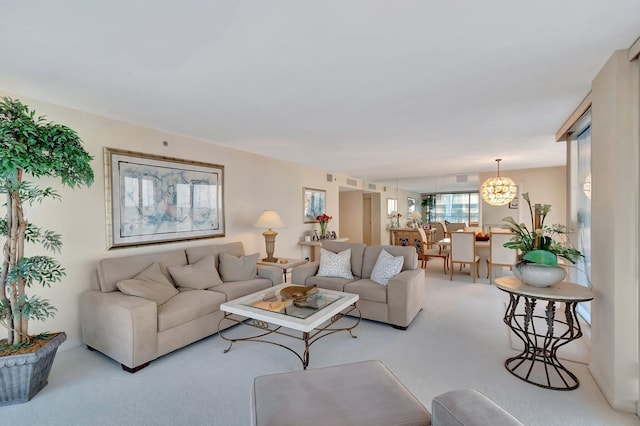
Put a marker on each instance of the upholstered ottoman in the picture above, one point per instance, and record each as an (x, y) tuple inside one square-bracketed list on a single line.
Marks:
[(361, 393), (469, 407)]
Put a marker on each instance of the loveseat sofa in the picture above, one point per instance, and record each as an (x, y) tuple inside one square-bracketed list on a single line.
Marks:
[(396, 303), (126, 317)]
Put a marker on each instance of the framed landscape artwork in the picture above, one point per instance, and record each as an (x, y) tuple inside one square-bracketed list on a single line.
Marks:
[(153, 199), (313, 204)]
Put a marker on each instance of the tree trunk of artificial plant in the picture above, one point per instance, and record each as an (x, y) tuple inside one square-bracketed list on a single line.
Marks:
[(13, 251)]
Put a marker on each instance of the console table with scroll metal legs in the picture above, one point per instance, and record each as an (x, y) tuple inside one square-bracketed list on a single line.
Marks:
[(543, 335)]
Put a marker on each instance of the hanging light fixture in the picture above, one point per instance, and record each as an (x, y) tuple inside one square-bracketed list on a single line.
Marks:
[(498, 191)]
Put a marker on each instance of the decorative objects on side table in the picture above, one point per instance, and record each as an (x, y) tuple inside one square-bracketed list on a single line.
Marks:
[(31, 146), (540, 247), (395, 220), (269, 219)]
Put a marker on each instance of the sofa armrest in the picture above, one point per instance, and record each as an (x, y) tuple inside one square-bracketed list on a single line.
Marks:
[(120, 326), (405, 296), (272, 273), (299, 274)]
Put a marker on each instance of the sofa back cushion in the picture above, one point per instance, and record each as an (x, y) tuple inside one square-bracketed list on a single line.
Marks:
[(371, 254), (115, 269), (194, 254), (357, 253)]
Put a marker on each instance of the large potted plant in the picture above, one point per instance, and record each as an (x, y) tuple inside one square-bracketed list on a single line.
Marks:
[(31, 147), (540, 247)]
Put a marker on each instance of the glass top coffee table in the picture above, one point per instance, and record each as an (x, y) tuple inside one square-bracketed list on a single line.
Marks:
[(306, 320)]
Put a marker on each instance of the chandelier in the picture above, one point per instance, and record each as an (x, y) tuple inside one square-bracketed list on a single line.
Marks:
[(498, 191)]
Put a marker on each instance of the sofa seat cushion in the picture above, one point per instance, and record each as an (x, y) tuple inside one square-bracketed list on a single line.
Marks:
[(329, 283), (367, 290), (236, 289), (187, 306)]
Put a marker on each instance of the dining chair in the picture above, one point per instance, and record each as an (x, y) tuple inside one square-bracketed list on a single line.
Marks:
[(431, 249), (499, 255), (441, 231), (463, 251)]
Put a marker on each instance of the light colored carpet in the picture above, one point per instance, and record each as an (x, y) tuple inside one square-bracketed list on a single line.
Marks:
[(457, 341)]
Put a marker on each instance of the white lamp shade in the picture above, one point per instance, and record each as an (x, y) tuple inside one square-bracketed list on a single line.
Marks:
[(269, 219), (415, 214)]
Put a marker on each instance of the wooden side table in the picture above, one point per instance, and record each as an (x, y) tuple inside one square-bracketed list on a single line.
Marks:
[(285, 266), (538, 363)]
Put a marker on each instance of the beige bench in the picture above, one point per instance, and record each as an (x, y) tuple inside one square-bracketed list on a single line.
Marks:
[(363, 393)]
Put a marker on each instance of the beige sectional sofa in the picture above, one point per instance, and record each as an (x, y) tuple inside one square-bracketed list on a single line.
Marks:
[(396, 303), (135, 330)]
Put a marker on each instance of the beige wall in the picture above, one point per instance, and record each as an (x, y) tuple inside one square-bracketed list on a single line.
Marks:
[(351, 215), (252, 184), (545, 185), (614, 228)]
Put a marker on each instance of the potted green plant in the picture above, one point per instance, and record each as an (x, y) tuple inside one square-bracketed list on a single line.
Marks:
[(540, 247), (31, 147)]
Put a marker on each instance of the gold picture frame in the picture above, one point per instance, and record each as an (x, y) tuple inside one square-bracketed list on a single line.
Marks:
[(152, 199)]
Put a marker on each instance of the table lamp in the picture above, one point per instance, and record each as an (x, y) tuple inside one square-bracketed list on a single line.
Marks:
[(415, 215), (269, 219)]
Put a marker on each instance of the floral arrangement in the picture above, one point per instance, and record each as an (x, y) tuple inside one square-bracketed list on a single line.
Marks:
[(395, 219), (323, 219), (542, 244)]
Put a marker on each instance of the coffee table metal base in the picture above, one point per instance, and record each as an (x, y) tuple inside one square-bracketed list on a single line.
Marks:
[(308, 338)]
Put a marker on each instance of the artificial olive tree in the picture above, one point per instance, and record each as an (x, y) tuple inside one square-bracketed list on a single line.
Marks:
[(31, 147)]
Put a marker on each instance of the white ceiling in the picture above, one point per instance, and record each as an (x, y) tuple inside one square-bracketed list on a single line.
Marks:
[(378, 90)]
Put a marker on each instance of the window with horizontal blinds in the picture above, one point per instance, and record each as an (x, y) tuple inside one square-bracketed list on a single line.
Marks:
[(453, 207)]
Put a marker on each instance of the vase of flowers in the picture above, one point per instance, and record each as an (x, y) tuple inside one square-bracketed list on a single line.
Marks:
[(540, 247), (395, 220), (323, 220)]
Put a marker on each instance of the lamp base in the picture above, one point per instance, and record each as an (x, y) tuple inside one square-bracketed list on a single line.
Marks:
[(270, 259)]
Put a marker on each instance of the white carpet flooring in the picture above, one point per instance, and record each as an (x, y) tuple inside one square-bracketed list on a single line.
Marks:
[(457, 341)]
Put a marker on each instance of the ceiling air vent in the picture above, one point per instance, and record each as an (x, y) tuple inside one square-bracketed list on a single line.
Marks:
[(461, 178), (329, 177), (352, 182), (371, 186)]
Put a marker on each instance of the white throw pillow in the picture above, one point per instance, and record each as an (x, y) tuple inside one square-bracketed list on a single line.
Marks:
[(337, 265), (387, 266)]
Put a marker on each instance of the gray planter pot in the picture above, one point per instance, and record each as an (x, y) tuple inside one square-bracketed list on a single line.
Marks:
[(23, 376)]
